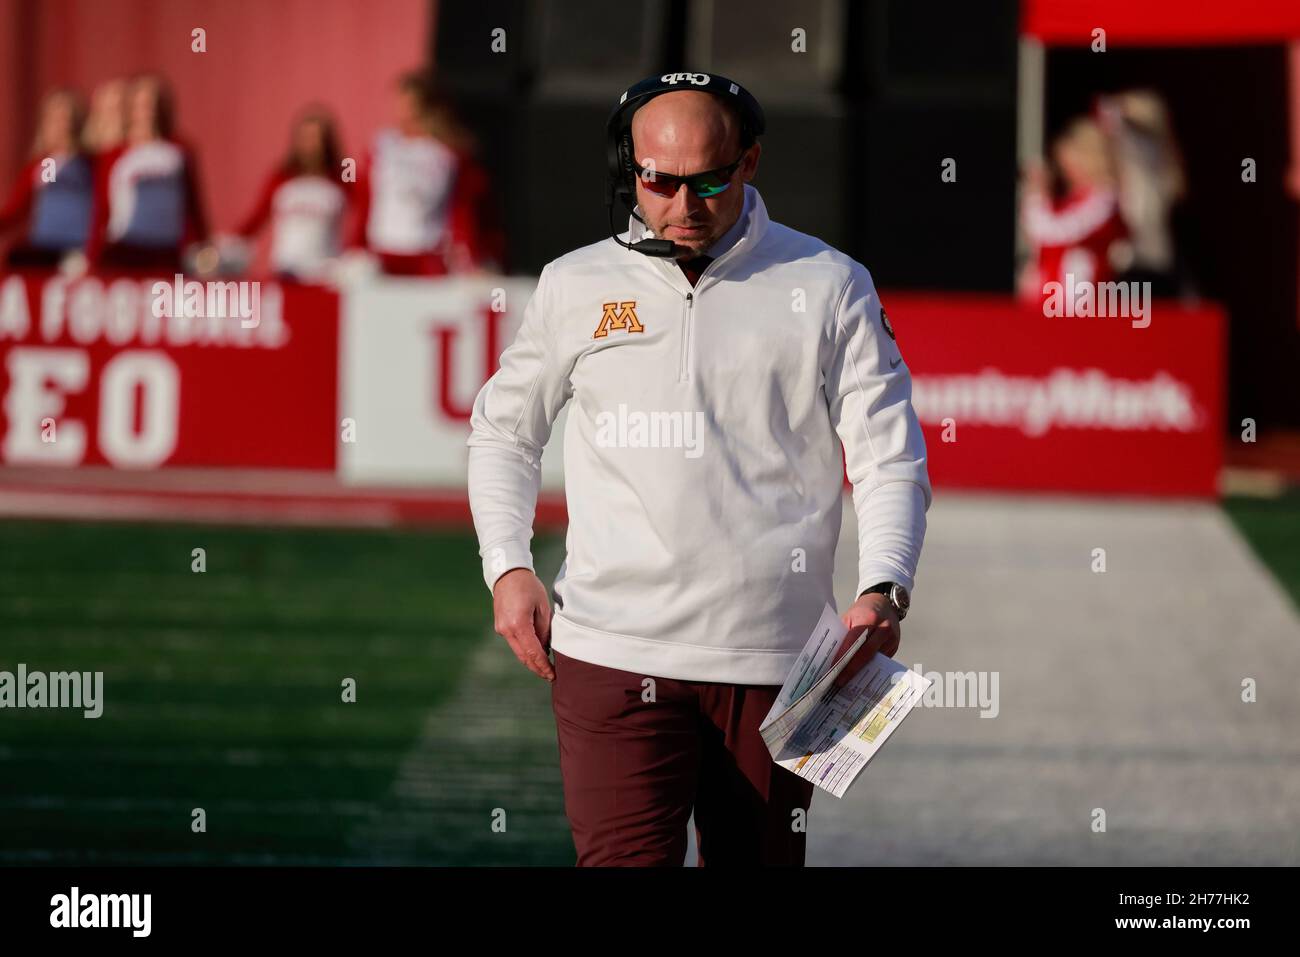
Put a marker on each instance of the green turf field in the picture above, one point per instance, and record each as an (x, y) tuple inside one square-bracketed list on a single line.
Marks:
[(223, 691), (1272, 526)]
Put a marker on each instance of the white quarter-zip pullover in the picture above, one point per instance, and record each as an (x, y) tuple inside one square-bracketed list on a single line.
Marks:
[(702, 453)]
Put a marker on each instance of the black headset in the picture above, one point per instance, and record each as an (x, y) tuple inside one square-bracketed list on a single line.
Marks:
[(620, 160)]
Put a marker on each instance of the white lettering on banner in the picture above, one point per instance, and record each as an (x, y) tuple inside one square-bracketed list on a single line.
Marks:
[(155, 378), (119, 324), (38, 381), (1066, 398), (444, 339), (15, 318), (124, 313)]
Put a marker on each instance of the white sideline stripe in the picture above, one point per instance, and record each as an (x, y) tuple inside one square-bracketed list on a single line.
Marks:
[(439, 775), (249, 642), (133, 858), (280, 758), (180, 479), (225, 806), (326, 712), (85, 505), (217, 481)]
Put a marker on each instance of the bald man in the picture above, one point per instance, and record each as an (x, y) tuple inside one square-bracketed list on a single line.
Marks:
[(716, 398), (681, 133)]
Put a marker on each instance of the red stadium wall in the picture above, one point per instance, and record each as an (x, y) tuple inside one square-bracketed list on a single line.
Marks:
[(265, 59)]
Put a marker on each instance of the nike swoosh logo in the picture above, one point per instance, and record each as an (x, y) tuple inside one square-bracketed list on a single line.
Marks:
[(894, 364)]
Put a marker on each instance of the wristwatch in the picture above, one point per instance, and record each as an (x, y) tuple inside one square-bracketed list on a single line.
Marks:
[(897, 595)]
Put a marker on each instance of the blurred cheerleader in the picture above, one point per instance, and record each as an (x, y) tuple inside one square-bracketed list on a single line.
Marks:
[(147, 204), (1151, 184), (1076, 233), (304, 200), (52, 198), (106, 125), (424, 202)]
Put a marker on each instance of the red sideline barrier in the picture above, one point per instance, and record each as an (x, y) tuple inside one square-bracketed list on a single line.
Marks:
[(90, 375), (1011, 399)]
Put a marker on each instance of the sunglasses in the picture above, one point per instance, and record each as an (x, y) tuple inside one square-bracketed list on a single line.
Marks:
[(709, 183)]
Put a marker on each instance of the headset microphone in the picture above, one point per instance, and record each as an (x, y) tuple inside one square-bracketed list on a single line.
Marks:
[(620, 175), (659, 248)]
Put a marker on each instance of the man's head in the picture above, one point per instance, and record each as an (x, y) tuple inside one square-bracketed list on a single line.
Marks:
[(680, 134)]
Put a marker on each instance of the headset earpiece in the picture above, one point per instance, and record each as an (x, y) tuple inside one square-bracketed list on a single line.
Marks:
[(625, 148), (626, 165)]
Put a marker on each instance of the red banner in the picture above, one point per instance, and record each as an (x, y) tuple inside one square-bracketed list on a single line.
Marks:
[(1011, 398), (1161, 22), (144, 373)]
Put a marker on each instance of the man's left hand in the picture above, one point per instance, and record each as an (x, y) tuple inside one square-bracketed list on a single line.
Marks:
[(874, 614)]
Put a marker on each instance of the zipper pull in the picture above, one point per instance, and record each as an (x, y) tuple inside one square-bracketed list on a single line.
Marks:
[(690, 298)]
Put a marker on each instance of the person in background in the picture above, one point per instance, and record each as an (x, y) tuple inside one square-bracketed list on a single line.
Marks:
[(51, 199), (147, 205), (1151, 183), (1072, 235), (304, 200), (106, 125), (423, 202)]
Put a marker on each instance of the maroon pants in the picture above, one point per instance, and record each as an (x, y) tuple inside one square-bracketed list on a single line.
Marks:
[(637, 753)]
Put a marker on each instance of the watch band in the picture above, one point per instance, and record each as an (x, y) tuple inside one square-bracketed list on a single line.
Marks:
[(888, 589)]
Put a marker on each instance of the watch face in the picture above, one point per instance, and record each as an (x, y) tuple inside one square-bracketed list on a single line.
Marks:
[(899, 596)]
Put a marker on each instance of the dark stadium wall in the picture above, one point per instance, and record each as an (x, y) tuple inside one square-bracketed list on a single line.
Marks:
[(858, 125), (264, 61)]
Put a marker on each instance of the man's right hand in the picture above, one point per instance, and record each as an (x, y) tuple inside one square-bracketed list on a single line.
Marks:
[(522, 616)]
